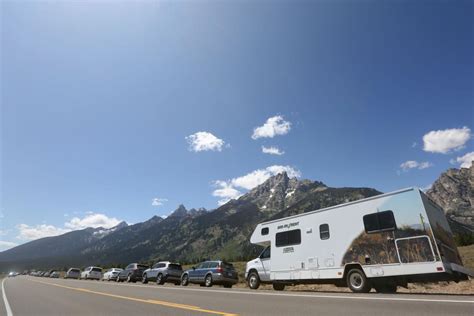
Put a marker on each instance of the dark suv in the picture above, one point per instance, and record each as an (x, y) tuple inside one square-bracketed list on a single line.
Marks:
[(132, 273), (209, 273)]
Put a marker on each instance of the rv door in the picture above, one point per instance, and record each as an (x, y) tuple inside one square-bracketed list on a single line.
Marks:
[(265, 262)]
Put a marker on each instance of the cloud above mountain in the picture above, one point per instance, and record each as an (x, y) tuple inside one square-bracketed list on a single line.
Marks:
[(446, 141), (464, 161), (232, 189), (275, 125), (204, 141), (93, 220), (4, 245), (27, 232), (272, 150), (413, 164)]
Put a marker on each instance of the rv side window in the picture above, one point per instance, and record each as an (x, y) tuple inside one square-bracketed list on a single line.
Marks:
[(324, 231), (265, 231), (291, 237), (379, 222)]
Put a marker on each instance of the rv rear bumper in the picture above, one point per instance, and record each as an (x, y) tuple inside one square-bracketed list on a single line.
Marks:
[(456, 268)]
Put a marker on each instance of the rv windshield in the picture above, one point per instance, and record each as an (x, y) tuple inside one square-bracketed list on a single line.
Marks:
[(265, 253)]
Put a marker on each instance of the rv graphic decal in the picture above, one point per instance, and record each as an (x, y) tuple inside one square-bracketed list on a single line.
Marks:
[(289, 225)]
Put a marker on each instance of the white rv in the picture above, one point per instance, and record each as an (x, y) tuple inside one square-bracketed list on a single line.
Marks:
[(379, 242)]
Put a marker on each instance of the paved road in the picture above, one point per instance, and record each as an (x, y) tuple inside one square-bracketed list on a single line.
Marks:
[(42, 296)]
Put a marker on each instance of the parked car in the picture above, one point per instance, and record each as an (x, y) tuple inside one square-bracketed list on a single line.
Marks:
[(209, 273), (162, 272), (94, 273), (111, 274), (12, 274), (132, 273), (54, 274), (48, 273), (73, 273)]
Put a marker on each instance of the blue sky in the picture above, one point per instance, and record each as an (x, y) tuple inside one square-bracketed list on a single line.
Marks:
[(99, 97)]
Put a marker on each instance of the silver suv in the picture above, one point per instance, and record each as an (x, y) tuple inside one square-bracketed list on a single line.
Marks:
[(163, 271)]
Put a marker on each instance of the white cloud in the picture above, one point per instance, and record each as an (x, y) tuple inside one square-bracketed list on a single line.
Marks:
[(274, 126), (465, 160), (445, 141), (272, 150), (5, 245), (39, 231), (93, 220), (231, 189), (226, 192), (204, 141), (158, 201), (412, 164)]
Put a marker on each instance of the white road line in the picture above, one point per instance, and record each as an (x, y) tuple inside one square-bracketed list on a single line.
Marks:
[(7, 306), (372, 297)]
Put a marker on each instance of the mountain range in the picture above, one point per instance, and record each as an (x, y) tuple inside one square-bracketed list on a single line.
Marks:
[(196, 234)]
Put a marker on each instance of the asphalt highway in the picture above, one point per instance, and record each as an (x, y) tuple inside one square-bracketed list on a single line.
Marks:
[(25, 295)]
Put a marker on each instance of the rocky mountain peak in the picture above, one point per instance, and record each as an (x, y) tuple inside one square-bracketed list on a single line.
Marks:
[(181, 211), (120, 225), (454, 192), (279, 191)]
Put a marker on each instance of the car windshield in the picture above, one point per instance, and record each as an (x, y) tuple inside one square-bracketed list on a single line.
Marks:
[(97, 269), (142, 267), (173, 266)]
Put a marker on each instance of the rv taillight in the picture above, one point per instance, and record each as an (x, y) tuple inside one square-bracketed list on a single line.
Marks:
[(439, 269)]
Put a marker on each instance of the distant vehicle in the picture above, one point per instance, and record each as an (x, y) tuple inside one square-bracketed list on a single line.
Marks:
[(209, 273), (111, 274), (47, 274), (93, 273), (55, 275), (12, 274), (162, 272), (379, 242), (73, 273), (132, 273)]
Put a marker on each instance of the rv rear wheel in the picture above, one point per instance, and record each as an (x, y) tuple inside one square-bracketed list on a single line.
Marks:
[(253, 280), (357, 281), (278, 286)]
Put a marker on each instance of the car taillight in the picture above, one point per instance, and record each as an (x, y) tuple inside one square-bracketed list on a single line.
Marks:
[(220, 270)]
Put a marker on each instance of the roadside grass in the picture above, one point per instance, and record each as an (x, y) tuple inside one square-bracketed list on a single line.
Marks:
[(467, 255)]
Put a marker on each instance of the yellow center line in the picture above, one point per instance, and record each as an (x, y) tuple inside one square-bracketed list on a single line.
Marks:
[(156, 302)]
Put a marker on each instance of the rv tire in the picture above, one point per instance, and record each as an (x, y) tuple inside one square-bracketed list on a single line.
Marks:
[(357, 281), (253, 280)]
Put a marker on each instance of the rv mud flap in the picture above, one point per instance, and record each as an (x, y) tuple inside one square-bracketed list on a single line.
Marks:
[(461, 269)]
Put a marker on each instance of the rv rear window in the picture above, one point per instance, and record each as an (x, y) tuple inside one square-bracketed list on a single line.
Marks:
[(265, 231), (379, 222), (291, 237), (324, 231)]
